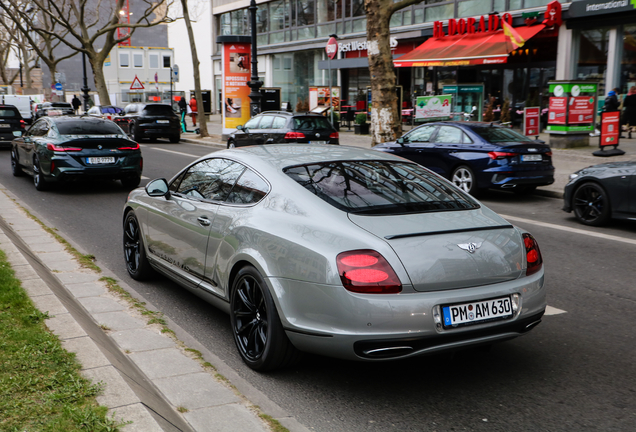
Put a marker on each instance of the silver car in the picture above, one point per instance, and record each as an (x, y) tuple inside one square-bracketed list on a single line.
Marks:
[(338, 251)]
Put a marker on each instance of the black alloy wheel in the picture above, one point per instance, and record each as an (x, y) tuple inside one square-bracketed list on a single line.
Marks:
[(16, 169), (258, 333), (38, 177), (134, 253), (591, 204)]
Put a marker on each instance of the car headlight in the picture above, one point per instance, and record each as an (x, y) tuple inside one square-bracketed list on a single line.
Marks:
[(573, 176)]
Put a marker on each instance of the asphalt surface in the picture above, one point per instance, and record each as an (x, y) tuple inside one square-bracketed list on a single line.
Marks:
[(573, 372)]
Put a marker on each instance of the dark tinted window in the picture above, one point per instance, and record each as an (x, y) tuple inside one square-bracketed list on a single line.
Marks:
[(158, 110), (311, 123), (88, 127), (249, 189), (61, 105), (379, 187), (9, 112), (38, 129), (499, 134), (210, 179)]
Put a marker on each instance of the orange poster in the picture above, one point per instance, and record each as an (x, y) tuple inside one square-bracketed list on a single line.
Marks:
[(236, 75)]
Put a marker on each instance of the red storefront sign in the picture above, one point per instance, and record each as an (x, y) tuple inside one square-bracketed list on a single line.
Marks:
[(531, 121), (610, 128), (558, 109), (581, 110), (332, 48)]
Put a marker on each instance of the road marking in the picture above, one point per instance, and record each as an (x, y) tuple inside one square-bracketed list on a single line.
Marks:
[(172, 151), (549, 310), (571, 230)]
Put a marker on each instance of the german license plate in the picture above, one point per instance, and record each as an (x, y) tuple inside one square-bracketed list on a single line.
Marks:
[(476, 312), (100, 160), (55, 113), (4, 125), (163, 121), (317, 142), (531, 158)]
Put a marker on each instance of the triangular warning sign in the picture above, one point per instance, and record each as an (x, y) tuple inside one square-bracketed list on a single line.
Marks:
[(136, 84)]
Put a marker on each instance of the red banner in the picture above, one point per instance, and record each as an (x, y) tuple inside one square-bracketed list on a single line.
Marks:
[(581, 110), (236, 75), (558, 108), (531, 121), (610, 128)]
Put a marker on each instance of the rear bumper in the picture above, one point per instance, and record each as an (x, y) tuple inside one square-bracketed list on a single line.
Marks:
[(508, 179), (160, 132)]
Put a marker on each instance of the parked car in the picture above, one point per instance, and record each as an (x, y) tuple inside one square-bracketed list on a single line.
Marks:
[(348, 253), (600, 192), (21, 102), (58, 149), (140, 120), (109, 112), (10, 121), (53, 109), (275, 127), (476, 155)]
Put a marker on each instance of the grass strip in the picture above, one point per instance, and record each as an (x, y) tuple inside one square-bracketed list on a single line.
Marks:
[(41, 388)]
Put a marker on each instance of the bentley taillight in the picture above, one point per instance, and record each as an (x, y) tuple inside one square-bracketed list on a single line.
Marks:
[(366, 271), (533, 254)]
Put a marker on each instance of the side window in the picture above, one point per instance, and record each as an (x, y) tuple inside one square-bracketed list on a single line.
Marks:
[(39, 129), (252, 123), (266, 122), (449, 135), (211, 179), (174, 186), (279, 123), (249, 189), (466, 139), (422, 134)]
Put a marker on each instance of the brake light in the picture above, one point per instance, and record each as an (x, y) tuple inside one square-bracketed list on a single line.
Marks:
[(366, 271), (533, 254), (135, 147), (22, 124), (294, 135), (53, 147), (334, 135), (548, 153), (501, 155)]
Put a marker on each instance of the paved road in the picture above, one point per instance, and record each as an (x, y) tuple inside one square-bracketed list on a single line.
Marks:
[(573, 372)]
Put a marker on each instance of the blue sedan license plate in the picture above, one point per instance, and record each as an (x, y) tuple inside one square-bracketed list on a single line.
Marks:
[(476, 312), (100, 160), (531, 158)]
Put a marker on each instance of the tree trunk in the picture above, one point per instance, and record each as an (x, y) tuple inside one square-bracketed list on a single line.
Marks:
[(203, 126), (385, 124), (100, 82)]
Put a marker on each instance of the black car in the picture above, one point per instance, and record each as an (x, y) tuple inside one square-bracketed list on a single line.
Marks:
[(600, 192), (275, 127), (10, 121), (53, 109), (140, 120), (477, 155), (58, 149)]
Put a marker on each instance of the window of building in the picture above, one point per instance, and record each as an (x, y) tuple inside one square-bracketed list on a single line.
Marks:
[(306, 12), (593, 46), (167, 63), (138, 60), (124, 59), (439, 13), (473, 8), (153, 61), (628, 59)]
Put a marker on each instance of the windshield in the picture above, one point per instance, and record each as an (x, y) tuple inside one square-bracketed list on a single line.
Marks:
[(311, 123), (379, 187), (499, 134), (88, 127), (158, 110)]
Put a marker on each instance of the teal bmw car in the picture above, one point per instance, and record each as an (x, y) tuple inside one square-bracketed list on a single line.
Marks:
[(67, 148)]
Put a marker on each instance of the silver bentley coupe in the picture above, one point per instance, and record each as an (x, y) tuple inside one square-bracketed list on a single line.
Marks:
[(338, 251)]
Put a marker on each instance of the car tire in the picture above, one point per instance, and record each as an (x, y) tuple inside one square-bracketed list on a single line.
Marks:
[(38, 178), (464, 178), (591, 204), (175, 139), (16, 169), (134, 252), (258, 332), (136, 134), (131, 182), (231, 144)]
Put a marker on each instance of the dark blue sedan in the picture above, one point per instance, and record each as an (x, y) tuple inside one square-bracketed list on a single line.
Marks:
[(477, 155)]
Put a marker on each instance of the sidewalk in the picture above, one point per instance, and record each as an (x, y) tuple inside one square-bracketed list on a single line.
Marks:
[(565, 161), (152, 379)]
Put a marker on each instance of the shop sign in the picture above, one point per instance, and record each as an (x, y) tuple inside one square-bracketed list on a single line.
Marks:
[(574, 89), (558, 108), (581, 110), (332, 48), (236, 75), (361, 46), (429, 107), (586, 8), (531, 121), (610, 128)]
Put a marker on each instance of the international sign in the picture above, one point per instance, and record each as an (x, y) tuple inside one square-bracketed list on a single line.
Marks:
[(332, 48)]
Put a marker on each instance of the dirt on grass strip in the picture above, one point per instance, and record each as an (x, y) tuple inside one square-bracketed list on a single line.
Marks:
[(41, 388)]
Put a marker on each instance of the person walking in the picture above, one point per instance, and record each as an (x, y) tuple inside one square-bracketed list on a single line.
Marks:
[(76, 104), (183, 109), (611, 102), (193, 107), (629, 110)]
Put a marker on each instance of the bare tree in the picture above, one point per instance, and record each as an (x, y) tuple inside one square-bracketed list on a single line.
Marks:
[(87, 29), (6, 47), (385, 125)]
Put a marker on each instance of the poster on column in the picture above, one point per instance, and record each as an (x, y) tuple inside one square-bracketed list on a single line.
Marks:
[(236, 75), (581, 110)]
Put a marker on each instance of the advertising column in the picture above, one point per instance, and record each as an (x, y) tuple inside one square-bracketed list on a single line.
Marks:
[(236, 75), (571, 116)]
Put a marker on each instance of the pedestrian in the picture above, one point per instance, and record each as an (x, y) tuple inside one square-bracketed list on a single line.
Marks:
[(183, 107), (193, 107), (629, 110), (76, 104), (611, 102)]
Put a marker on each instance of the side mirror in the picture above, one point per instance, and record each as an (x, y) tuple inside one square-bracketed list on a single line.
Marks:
[(239, 127), (400, 141), (157, 188)]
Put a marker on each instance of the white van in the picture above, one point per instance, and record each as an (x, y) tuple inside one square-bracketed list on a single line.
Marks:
[(21, 102)]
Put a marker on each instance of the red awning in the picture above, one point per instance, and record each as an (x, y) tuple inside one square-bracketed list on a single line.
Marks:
[(466, 49)]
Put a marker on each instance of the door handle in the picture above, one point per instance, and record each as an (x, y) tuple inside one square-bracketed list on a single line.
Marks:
[(203, 220)]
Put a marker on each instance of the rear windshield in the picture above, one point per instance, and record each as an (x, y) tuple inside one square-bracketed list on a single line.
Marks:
[(155, 110), (311, 123), (88, 127), (379, 187), (9, 112), (499, 134)]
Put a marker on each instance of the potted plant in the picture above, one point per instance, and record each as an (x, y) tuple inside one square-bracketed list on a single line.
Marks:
[(361, 127), (336, 119)]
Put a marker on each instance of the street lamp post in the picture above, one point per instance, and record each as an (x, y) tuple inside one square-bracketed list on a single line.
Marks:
[(254, 84), (85, 89)]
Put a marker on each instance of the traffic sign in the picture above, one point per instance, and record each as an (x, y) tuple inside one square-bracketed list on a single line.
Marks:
[(175, 73), (58, 86), (332, 48), (136, 84)]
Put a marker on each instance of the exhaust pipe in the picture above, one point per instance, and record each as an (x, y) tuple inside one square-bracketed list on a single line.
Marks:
[(388, 352)]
